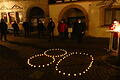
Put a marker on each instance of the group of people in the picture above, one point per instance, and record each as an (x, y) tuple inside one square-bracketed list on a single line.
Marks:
[(78, 30), (4, 30), (50, 28), (40, 28), (27, 29)]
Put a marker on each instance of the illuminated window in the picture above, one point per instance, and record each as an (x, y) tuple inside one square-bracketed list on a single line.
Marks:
[(19, 17), (110, 14), (15, 16), (4, 16), (11, 17)]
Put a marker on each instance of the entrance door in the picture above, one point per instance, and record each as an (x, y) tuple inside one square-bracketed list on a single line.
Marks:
[(72, 14), (34, 15)]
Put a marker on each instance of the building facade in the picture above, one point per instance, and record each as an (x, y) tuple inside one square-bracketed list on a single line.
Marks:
[(21, 10), (97, 14)]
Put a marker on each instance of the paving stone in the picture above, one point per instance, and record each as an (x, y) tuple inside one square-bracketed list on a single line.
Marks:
[(15, 52)]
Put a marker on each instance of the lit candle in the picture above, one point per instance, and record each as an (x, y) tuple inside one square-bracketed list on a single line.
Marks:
[(74, 74), (68, 74), (63, 73), (59, 71), (83, 71), (80, 74)]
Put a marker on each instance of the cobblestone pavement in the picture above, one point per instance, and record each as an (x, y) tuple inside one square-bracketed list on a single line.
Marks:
[(15, 52)]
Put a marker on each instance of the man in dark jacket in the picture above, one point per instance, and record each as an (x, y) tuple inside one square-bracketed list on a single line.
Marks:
[(50, 28), (62, 26), (26, 27), (3, 29), (41, 28), (79, 29), (16, 28)]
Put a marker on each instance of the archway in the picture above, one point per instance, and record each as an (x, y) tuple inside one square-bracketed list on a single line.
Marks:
[(36, 12), (71, 13), (33, 15)]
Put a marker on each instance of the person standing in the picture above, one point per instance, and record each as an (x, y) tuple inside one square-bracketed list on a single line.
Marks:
[(3, 27), (41, 28), (16, 28), (116, 27), (50, 28), (79, 30), (61, 29), (26, 27)]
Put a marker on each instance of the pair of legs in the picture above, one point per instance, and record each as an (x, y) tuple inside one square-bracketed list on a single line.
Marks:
[(51, 36), (3, 36), (62, 35)]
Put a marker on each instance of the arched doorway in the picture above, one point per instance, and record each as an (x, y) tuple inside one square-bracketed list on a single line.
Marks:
[(34, 14), (73, 12)]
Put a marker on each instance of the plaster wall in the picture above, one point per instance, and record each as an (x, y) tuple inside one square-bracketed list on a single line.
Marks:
[(26, 5), (92, 12)]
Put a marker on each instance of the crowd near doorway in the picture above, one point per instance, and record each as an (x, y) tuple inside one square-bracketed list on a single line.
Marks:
[(35, 14), (71, 16)]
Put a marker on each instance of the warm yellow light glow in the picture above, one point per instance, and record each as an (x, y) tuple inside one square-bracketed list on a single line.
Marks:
[(59, 71), (75, 74), (39, 55), (63, 73), (65, 52), (116, 26), (60, 60), (68, 74), (80, 74)]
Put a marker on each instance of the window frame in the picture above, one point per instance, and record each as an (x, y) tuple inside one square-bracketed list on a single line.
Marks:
[(113, 12)]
